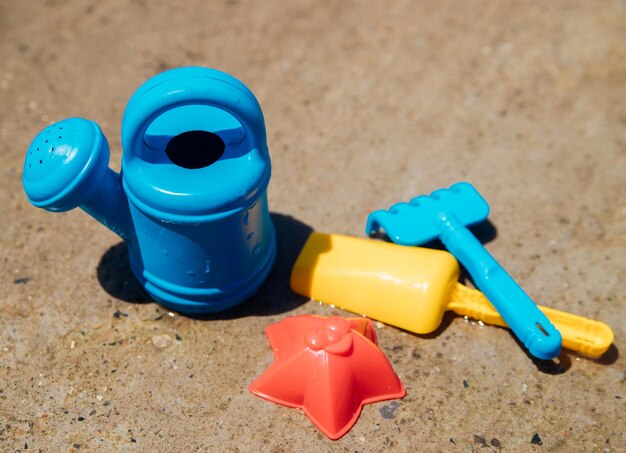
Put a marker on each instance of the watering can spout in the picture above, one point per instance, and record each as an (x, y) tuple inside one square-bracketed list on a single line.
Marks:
[(108, 205), (66, 166)]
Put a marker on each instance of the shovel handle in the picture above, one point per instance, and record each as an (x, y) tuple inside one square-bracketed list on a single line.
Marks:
[(580, 334)]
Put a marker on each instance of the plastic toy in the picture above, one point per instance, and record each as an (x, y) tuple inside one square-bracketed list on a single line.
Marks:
[(191, 200), (412, 287), (329, 368), (444, 214)]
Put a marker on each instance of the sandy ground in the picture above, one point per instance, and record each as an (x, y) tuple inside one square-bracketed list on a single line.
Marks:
[(366, 104)]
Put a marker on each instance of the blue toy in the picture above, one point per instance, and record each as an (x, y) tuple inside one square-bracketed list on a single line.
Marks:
[(191, 200), (444, 215)]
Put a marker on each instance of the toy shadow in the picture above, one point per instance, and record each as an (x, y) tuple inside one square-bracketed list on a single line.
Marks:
[(273, 297), (563, 362)]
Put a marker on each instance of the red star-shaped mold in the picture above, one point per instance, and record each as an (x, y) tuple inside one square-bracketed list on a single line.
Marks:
[(329, 368)]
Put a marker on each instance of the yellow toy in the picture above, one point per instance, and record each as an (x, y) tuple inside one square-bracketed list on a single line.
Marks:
[(412, 287)]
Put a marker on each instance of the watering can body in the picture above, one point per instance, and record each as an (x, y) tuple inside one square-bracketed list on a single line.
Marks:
[(191, 200)]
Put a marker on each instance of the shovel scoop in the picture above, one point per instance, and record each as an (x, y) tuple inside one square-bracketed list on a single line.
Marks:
[(412, 287), (445, 214)]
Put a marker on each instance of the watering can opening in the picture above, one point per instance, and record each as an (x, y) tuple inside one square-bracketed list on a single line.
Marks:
[(191, 119), (195, 149)]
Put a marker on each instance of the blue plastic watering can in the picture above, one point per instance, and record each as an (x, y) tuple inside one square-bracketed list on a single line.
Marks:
[(191, 199)]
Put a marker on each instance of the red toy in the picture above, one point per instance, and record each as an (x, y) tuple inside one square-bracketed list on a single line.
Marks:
[(329, 368)]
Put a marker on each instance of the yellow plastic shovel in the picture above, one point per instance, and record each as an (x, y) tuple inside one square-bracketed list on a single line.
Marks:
[(412, 287)]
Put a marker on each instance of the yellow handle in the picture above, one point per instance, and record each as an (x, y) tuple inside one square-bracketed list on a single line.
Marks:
[(580, 334)]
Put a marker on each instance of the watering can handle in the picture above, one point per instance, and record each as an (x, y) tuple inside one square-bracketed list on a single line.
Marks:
[(191, 86)]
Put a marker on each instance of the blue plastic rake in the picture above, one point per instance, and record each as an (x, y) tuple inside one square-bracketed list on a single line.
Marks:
[(445, 214)]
